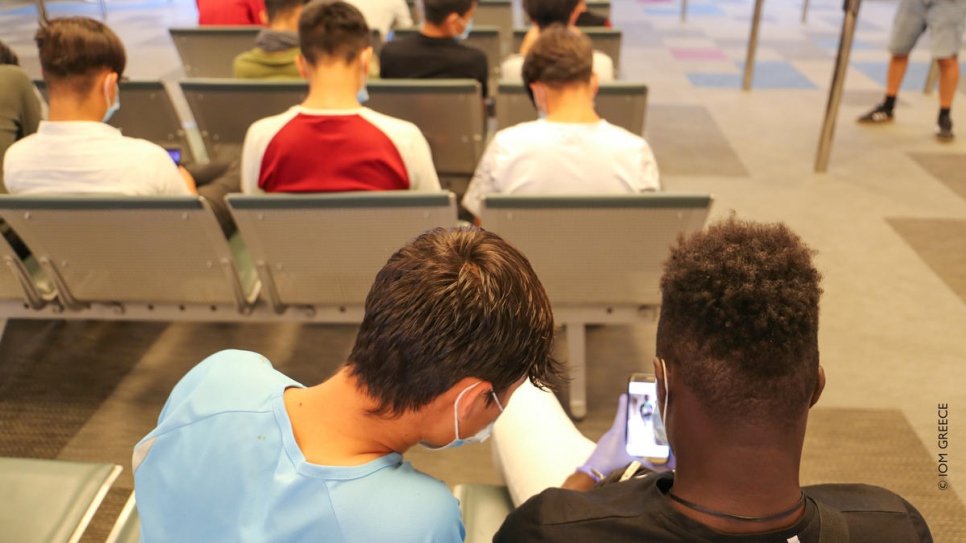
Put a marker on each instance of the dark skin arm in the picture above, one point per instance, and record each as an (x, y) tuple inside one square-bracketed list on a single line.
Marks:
[(579, 481)]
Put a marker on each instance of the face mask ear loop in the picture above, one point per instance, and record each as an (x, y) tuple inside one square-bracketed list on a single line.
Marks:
[(667, 394), (456, 410)]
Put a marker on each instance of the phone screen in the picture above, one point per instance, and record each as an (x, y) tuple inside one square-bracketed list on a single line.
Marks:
[(645, 432), (175, 154)]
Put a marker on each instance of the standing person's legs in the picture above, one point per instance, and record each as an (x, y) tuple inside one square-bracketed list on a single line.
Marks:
[(947, 19), (948, 81), (897, 72), (909, 24), (535, 444)]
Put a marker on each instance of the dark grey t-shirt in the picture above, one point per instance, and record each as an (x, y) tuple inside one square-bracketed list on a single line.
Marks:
[(638, 511), (421, 57)]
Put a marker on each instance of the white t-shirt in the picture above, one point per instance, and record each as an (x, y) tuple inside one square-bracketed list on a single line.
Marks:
[(383, 15), (512, 68), (79, 157), (316, 150), (546, 157)]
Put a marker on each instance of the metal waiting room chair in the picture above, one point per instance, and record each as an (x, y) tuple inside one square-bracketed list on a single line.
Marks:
[(619, 102), (50, 500), (606, 40), (210, 51), (319, 253), (163, 257), (620, 241)]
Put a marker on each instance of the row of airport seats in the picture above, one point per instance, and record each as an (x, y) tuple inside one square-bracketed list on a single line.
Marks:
[(499, 13), (209, 51), (55, 500), (447, 111), (313, 257)]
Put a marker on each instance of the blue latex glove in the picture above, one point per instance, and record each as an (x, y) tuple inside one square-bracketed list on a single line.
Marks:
[(611, 452)]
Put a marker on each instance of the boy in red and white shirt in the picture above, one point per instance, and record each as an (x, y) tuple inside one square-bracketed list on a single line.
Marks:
[(330, 143)]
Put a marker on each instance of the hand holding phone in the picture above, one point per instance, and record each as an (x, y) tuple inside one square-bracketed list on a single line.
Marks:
[(645, 430), (175, 154)]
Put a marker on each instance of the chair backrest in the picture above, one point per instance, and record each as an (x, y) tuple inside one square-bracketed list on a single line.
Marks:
[(488, 40), (498, 13), (449, 112), (129, 249), (147, 112), (599, 7), (596, 250), (325, 249), (55, 499), (210, 51), (621, 103), (224, 109), (484, 38), (606, 40)]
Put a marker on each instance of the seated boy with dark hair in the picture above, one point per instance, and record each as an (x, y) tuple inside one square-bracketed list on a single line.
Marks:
[(737, 372), (330, 143), (435, 52), (276, 46), (454, 323)]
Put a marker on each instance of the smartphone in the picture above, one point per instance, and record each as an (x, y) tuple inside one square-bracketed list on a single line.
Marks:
[(175, 154), (645, 430)]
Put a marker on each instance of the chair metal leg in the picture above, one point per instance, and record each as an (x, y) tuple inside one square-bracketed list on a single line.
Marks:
[(752, 46), (684, 10), (804, 11), (932, 78), (103, 10), (838, 85), (577, 362)]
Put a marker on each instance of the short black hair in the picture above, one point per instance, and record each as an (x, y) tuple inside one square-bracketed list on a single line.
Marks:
[(544, 13), (451, 304), (739, 321), (7, 56), (275, 8), (436, 11), (73, 49), (332, 29), (559, 57)]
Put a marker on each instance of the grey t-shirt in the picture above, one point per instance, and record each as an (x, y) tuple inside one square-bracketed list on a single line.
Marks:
[(19, 109)]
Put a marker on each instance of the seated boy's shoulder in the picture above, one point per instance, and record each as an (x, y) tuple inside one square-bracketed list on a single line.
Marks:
[(873, 513), (858, 498)]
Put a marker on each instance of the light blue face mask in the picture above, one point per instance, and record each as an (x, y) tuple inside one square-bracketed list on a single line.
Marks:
[(466, 31), (362, 95), (479, 437), (112, 107)]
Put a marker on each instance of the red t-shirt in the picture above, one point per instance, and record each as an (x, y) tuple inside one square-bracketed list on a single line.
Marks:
[(231, 12)]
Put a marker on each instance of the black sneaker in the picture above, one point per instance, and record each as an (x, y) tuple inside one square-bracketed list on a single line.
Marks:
[(878, 115), (944, 131)]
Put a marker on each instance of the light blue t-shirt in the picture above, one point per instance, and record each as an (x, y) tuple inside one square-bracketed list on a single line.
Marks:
[(223, 466)]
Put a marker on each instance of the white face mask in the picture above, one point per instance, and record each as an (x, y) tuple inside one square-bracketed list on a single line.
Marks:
[(479, 437), (540, 101), (112, 106)]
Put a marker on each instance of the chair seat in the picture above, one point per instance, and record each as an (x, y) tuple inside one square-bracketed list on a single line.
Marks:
[(50, 500)]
